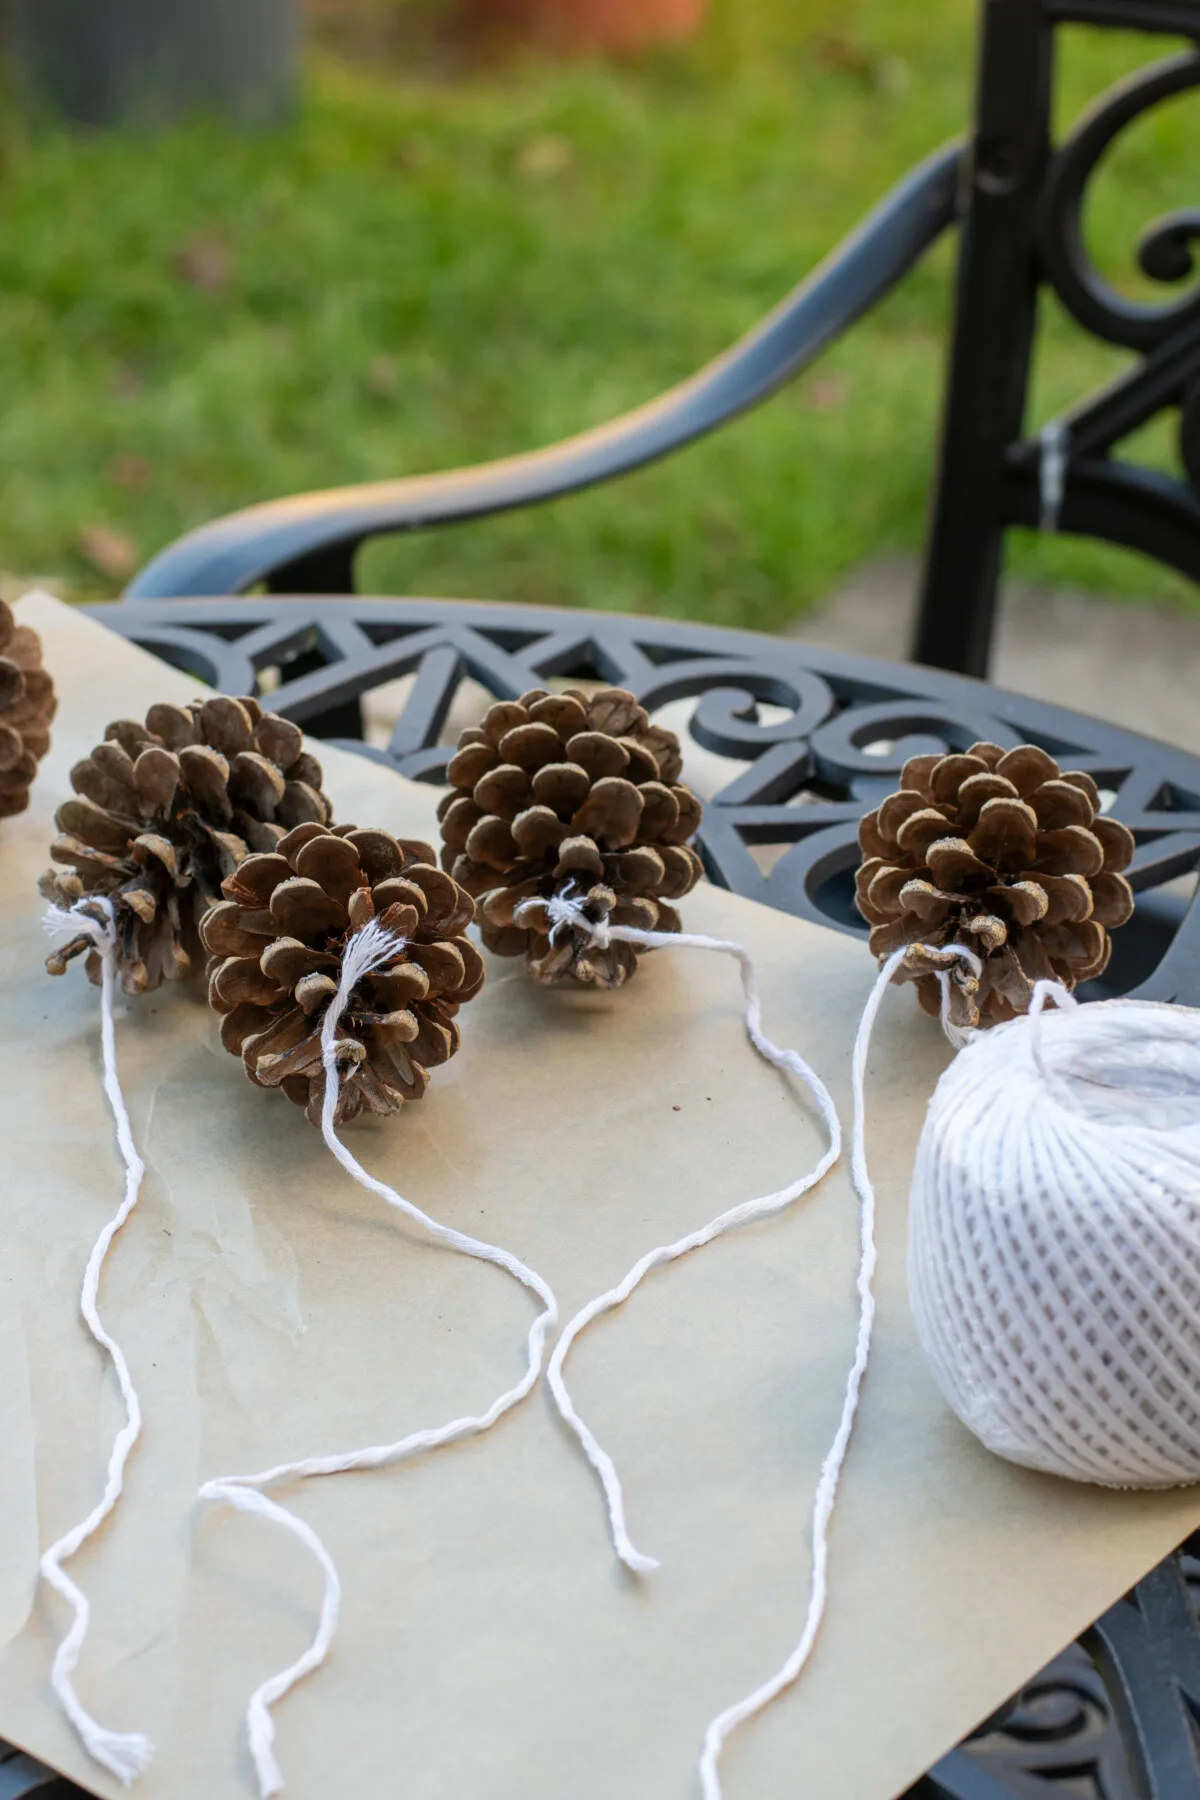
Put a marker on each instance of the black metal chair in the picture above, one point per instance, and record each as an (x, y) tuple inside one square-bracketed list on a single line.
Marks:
[(1017, 200)]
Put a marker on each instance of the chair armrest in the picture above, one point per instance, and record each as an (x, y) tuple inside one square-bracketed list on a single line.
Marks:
[(305, 544)]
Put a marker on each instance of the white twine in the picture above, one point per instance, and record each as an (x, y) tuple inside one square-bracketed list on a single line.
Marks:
[(825, 1497), (125, 1754), (236, 1491), (1054, 1240), (567, 913), (367, 950)]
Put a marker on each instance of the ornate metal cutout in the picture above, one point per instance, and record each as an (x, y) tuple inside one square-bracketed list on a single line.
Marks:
[(1164, 251), (1114, 1717), (1103, 495), (794, 786)]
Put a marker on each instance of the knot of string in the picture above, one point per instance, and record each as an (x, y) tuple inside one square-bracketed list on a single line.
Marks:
[(566, 913), (368, 949), (124, 1753)]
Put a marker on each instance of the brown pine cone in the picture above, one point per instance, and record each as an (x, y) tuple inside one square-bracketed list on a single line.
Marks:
[(276, 943), (1002, 852), (27, 705), (164, 812), (578, 793)]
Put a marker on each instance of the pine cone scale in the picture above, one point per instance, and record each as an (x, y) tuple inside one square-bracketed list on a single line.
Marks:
[(1070, 850), (257, 877), (1068, 897), (226, 934), (238, 981), (12, 683), (562, 786), (265, 1034), (1112, 899), (12, 748), (272, 1068)]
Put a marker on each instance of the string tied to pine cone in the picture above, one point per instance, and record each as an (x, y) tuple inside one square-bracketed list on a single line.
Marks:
[(570, 792), (163, 811), (278, 940), (1006, 854)]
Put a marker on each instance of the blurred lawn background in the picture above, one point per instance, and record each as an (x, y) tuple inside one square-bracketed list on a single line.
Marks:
[(439, 262)]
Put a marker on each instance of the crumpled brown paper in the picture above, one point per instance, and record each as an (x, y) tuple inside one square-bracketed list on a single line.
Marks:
[(269, 1308)]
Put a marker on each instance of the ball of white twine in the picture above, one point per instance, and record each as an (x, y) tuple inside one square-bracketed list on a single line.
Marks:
[(1054, 1240)]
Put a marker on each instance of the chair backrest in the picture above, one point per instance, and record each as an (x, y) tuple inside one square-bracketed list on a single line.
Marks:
[(1021, 232)]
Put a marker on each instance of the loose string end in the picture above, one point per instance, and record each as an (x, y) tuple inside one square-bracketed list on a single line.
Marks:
[(567, 912), (260, 1726), (124, 1754), (260, 1733), (635, 1560)]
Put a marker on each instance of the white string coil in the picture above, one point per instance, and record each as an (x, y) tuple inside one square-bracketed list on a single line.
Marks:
[(1053, 446), (1054, 1240), (125, 1754), (367, 950), (566, 911)]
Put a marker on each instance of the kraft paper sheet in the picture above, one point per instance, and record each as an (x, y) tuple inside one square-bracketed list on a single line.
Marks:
[(489, 1646)]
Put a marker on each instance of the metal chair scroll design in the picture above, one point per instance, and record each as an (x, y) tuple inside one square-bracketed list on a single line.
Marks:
[(1022, 231), (1019, 203)]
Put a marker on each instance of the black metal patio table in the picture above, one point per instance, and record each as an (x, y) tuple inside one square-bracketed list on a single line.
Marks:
[(1114, 1717)]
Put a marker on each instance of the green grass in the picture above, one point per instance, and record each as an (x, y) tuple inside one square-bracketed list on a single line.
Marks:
[(422, 272)]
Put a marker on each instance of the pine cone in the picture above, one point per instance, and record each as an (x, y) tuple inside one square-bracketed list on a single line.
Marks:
[(1002, 852), (165, 811), (558, 793), (27, 705), (276, 943)]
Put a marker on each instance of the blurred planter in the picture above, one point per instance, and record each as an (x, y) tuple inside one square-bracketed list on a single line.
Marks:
[(570, 26), (103, 62)]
